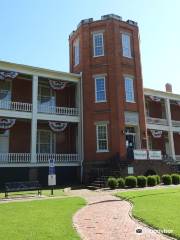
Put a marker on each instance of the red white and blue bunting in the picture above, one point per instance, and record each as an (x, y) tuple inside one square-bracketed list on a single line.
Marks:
[(156, 133), (58, 126), (5, 75), (155, 99), (6, 123), (57, 84)]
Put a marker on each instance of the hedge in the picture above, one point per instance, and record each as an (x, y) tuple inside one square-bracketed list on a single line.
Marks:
[(166, 179), (112, 182), (131, 181), (141, 181), (151, 181), (121, 182)]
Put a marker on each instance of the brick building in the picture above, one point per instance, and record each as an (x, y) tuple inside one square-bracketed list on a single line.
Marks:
[(98, 117)]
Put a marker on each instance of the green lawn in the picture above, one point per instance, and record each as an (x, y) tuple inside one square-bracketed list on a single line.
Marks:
[(39, 219), (158, 208)]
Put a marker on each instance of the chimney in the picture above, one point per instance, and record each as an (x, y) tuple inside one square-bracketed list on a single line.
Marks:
[(168, 87)]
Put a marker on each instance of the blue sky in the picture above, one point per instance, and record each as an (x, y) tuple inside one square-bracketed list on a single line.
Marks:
[(35, 32)]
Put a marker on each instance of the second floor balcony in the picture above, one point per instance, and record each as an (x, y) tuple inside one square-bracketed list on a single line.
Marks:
[(16, 96)]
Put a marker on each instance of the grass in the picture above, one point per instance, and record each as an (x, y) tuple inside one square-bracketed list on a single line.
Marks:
[(39, 220), (158, 208)]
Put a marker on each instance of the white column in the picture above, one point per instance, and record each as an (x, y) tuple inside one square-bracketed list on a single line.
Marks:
[(79, 104), (34, 118), (170, 132)]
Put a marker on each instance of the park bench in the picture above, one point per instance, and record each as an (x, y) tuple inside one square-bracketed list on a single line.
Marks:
[(22, 186)]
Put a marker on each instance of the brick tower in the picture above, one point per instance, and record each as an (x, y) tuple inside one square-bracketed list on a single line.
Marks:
[(108, 55)]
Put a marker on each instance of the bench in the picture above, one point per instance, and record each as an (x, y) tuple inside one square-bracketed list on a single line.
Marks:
[(22, 186)]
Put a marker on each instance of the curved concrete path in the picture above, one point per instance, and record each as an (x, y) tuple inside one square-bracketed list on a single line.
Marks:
[(108, 218)]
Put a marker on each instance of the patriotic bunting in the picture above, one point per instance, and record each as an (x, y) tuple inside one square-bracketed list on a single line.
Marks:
[(156, 133), (155, 99), (57, 84), (5, 75), (58, 126), (6, 123)]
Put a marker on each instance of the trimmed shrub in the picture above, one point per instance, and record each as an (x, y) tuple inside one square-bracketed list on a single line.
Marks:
[(121, 182), (158, 179), (151, 181), (131, 181), (112, 182), (166, 179), (175, 179), (141, 181)]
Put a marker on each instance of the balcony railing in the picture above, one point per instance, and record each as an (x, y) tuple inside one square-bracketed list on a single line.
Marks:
[(16, 106), (157, 121), (58, 110), (175, 123), (15, 158), (65, 158), (27, 107), (41, 158)]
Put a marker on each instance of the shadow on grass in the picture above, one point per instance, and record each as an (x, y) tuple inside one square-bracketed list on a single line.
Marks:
[(146, 195)]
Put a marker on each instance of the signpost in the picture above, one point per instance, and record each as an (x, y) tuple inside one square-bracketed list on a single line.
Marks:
[(52, 175)]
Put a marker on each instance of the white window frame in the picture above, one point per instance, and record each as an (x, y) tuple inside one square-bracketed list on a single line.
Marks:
[(7, 134), (7, 103), (129, 78), (126, 50), (98, 150), (94, 47), (104, 79), (76, 50), (52, 138), (52, 94)]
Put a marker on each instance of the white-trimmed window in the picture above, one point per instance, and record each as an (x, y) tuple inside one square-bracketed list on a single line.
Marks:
[(100, 89), (76, 52), (5, 94), (45, 141), (102, 137), (98, 44), (46, 99), (129, 89), (126, 45), (4, 141)]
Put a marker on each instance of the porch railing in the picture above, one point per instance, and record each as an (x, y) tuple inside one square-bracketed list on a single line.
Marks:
[(175, 123), (59, 158), (16, 106), (158, 121), (15, 158), (58, 110)]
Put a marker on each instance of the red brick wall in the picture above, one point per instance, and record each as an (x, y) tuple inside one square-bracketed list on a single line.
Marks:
[(22, 90), (20, 137), (177, 143), (175, 112), (66, 97), (114, 66)]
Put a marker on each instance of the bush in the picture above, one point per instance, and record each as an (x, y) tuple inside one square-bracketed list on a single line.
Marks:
[(112, 182), (121, 182), (131, 181), (166, 179), (141, 181), (175, 179), (151, 181), (158, 179)]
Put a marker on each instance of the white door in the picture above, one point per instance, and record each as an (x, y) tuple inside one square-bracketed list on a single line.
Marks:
[(4, 142)]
